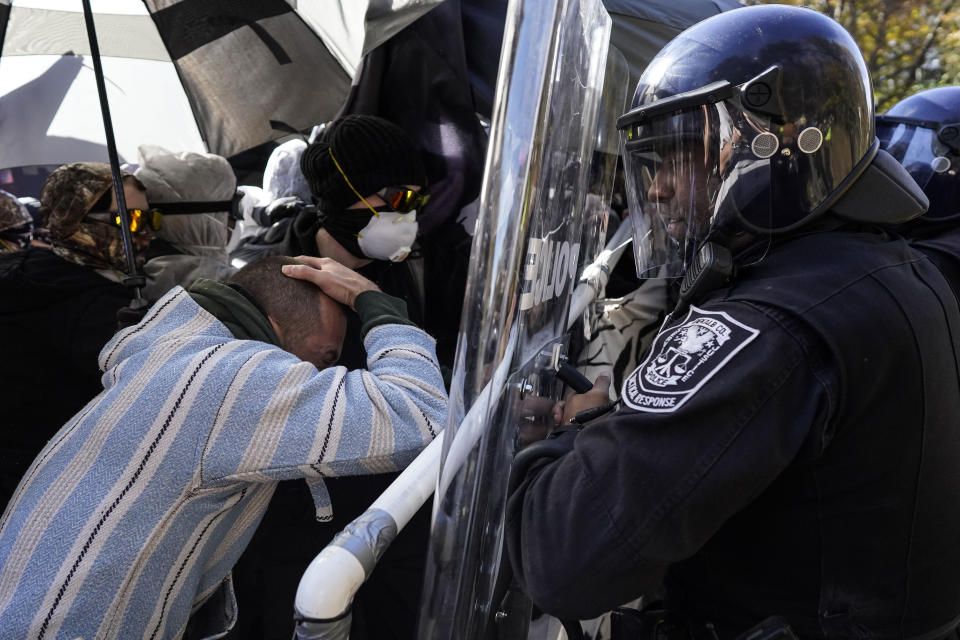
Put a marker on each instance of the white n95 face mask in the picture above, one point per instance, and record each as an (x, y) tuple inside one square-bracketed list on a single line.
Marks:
[(389, 236)]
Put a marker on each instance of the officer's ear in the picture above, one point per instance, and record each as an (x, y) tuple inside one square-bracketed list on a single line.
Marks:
[(277, 329)]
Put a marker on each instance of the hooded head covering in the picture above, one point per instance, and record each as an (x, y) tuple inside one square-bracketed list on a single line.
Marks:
[(67, 195), (372, 152), (199, 238), (12, 212), (189, 176)]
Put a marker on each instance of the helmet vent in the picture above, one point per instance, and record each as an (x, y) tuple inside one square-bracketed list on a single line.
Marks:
[(810, 139), (940, 164), (764, 145)]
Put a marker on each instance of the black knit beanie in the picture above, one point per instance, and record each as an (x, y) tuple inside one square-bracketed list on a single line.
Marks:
[(374, 153)]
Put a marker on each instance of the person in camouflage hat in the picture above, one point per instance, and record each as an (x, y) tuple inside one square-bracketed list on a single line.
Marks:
[(16, 225), (74, 191), (60, 307)]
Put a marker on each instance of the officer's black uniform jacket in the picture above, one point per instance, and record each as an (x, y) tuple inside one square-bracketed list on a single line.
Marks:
[(812, 472), (939, 239)]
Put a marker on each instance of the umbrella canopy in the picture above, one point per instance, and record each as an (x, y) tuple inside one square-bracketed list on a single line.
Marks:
[(353, 28), (205, 75)]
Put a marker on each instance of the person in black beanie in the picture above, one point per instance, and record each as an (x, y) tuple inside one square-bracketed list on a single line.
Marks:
[(365, 166), (367, 180)]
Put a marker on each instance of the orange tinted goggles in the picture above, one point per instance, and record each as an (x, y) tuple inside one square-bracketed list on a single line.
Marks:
[(140, 219), (403, 200)]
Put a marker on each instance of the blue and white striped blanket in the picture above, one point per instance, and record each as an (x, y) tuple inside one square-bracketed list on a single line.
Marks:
[(137, 509)]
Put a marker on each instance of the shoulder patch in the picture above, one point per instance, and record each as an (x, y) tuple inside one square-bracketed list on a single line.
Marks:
[(683, 358)]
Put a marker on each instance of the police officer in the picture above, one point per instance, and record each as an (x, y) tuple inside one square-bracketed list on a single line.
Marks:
[(923, 133), (789, 445)]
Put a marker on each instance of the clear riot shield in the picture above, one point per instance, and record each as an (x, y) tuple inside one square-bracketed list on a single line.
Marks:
[(603, 163), (602, 175), (524, 267)]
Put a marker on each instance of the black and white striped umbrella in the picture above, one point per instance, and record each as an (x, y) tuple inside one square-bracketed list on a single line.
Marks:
[(216, 75)]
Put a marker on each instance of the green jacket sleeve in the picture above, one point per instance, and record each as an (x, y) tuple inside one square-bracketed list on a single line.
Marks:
[(376, 308)]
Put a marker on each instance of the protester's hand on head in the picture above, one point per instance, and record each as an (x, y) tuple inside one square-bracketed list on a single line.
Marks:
[(337, 281), (598, 396)]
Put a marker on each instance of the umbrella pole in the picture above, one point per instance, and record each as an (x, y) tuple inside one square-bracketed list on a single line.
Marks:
[(133, 279)]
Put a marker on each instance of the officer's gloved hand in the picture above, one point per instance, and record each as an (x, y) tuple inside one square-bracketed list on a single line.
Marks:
[(598, 396)]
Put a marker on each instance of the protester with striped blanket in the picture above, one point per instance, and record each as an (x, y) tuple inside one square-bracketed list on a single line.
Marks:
[(129, 521)]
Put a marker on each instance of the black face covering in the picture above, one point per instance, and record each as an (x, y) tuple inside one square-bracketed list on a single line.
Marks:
[(344, 225)]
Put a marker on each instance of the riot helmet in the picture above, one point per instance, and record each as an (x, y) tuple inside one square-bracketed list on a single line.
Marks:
[(749, 123), (923, 133)]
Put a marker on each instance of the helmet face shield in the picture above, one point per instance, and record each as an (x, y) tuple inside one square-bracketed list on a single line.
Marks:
[(917, 148), (669, 179), (692, 172), (931, 162)]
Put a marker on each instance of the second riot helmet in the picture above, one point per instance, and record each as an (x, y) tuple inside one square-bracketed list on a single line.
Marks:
[(923, 133)]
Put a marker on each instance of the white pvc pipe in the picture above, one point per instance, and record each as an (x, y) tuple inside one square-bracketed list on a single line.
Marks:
[(333, 577), (473, 424), (328, 585), (413, 486)]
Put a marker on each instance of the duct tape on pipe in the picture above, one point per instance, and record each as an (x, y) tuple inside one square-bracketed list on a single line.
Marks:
[(367, 537), (336, 629)]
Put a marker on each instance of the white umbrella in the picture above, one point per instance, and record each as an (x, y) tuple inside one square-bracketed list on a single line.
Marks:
[(202, 75)]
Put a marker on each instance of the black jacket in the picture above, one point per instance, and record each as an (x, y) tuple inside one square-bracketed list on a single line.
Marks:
[(789, 447), (55, 316), (939, 240)]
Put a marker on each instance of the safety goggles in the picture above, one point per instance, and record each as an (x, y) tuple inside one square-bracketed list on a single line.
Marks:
[(140, 219), (402, 199)]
